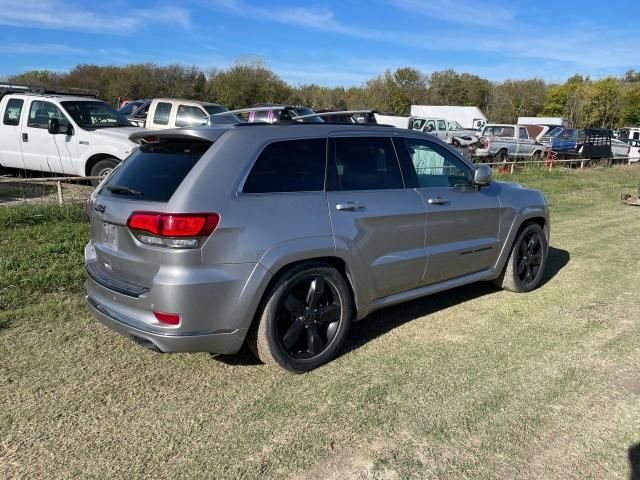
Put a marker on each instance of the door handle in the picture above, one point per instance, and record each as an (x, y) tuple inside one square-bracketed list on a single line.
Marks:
[(437, 201), (25, 137), (350, 206)]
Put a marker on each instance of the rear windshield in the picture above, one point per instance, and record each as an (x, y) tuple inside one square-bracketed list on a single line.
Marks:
[(154, 171)]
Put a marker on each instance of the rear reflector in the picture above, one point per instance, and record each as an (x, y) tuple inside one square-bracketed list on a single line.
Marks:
[(168, 318)]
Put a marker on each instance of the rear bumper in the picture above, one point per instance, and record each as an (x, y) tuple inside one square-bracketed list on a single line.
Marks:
[(216, 305), (226, 342)]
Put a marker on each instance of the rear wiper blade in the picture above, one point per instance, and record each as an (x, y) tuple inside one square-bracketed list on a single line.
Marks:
[(120, 189)]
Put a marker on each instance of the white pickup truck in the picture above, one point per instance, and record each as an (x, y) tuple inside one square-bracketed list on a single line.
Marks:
[(161, 113), (57, 131)]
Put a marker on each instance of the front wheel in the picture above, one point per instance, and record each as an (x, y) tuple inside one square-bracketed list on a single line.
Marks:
[(528, 258), (102, 168), (305, 318)]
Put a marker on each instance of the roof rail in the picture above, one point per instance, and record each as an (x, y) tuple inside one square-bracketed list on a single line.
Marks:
[(6, 88), (331, 114), (249, 110)]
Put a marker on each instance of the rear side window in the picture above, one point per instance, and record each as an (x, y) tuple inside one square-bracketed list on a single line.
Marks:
[(154, 171), (188, 115), (13, 111), (289, 166), (523, 133), (366, 163), (162, 113)]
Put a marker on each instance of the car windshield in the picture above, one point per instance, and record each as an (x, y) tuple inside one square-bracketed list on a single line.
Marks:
[(93, 114), (554, 132), (129, 108)]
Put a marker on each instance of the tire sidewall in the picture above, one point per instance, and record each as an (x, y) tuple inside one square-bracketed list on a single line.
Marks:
[(267, 326)]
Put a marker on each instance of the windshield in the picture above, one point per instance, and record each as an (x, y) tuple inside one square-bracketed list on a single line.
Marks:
[(215, 109), (554, 132), (93, 114), (129, 108)]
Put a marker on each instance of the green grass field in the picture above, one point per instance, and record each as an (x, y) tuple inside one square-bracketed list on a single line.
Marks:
[(472, 383)]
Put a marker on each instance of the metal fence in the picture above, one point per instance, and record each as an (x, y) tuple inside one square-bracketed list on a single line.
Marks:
[(17, 190)]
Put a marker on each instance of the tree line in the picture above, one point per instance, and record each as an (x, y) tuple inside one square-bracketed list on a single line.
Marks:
[(608, 102)]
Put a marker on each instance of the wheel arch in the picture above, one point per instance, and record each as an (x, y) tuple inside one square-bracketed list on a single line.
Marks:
[(95, 158), (534, 217)]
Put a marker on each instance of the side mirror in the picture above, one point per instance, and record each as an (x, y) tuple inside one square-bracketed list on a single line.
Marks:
[(54, 126), (482, 175)]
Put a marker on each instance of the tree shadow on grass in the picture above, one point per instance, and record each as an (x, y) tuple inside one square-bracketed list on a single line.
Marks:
[(385, 320), (634, 462)]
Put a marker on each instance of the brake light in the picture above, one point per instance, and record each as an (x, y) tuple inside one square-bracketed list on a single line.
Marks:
[(168, 318), (177, 230), (487, 144)]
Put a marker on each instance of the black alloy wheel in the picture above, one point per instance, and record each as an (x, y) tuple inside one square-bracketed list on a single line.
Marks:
[(529, 258), (308, 317)]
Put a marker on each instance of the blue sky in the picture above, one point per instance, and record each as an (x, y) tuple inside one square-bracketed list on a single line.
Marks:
[(341, 42)]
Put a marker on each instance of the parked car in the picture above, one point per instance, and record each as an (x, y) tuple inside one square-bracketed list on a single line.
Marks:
[(60, 131), (174, 113), (620, 149), (501, 142), (276, 113), (467, 117), (347, 116), (206, 238), (634, 151), (450, 131)]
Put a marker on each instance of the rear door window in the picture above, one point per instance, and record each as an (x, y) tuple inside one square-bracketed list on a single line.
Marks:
[(162, 113), (188, 115), (365, 163), (154, 171), (434, 165), (289, 166), (13, 111)]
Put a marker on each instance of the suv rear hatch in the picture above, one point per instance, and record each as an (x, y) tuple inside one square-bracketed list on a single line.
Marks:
[(131, 234)]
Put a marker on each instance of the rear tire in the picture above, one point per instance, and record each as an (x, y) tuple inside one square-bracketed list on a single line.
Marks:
[(102, 168), (304, 320), (525, 268), (502, 156)]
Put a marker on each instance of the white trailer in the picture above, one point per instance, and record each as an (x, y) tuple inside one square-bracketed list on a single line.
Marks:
[(556, 121), (467, 117)]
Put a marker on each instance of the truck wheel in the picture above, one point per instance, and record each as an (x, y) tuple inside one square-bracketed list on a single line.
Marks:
[(527, 260), (304, 320), (102, 168), (537, 155), (503, 156)]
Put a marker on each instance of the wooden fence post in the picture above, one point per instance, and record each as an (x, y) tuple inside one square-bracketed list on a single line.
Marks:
[(513, 165), (60, 199)]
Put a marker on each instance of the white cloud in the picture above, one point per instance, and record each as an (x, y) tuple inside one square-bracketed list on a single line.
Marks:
[(69, 16), (40, 49), (459, 11)]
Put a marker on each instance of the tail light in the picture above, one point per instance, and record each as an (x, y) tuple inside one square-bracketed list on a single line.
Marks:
[(487, 144), (175, 230)]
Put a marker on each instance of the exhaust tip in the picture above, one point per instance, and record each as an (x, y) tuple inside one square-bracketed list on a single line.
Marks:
[(148, 344)]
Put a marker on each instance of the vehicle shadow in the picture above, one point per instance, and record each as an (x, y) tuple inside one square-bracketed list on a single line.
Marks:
[(385, 320), (634, 462)]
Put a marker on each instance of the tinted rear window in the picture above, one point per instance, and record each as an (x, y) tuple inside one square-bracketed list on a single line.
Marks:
[(289, 166), (156, 170)]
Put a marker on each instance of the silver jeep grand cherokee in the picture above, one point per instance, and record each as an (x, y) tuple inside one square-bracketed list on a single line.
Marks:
[(282, 235)]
